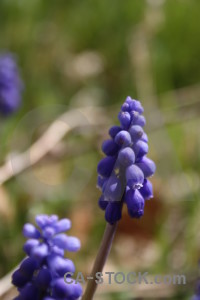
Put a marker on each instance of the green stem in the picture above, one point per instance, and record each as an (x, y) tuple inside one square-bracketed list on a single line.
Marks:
[(101, 258)]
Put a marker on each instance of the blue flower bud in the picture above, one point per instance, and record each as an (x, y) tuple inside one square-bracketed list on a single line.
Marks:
[(135, 203), (123, 138), (41, 220), (110, 148), (29, 292), (30, 231), (125, 107), (62, 225), (40, 252), (114, 130), (125, 119), (105, 166), (140, 148), (48, 232), (73, 244), (44, 220), (134, 105), (59, 265), (141, 121), (134, 177), (147, 190), (60, 240), (65, 242), (136, 132), (43, 279), (126, 157), (134, 117), (28, 267), (58, 251), (66, 291), (29, 245), (137, 119), (113, 212), (147, 166), (19, 279)]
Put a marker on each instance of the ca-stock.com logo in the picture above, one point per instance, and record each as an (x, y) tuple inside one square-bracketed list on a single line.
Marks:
[(128, 278)]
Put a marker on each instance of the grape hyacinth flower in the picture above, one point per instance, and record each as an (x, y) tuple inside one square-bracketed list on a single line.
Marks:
[(41, 274), (123, 173), (10, 85)]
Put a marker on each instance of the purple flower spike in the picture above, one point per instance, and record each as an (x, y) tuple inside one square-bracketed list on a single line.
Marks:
[(11, 86), (41, 275), (122, 174)]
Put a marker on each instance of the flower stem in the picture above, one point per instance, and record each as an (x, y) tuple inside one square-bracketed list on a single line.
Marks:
[(101, 258)]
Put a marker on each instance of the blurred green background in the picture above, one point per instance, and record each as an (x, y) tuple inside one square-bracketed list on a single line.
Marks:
[(94, 53)]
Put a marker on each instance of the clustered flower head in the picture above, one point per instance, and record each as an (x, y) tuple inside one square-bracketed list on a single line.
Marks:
[(123, 173), (41, 275), (10, 85)]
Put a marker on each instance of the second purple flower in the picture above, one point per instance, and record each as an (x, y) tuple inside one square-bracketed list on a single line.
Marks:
[(41, 274)]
